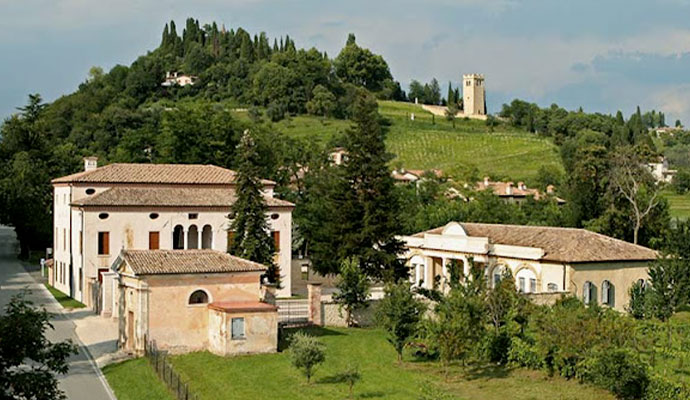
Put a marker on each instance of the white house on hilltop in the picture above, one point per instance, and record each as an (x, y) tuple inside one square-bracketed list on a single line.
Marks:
[(103, 210)]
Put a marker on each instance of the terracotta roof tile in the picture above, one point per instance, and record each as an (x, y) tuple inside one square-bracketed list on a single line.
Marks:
[(568, 245), (168, 197), (242, 306), (157, 262), (155, 174)]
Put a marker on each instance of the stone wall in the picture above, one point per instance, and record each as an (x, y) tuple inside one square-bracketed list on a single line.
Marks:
[(546, 298), (332, 316)]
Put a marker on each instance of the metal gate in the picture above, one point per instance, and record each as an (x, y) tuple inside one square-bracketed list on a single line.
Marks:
[(293, 312)]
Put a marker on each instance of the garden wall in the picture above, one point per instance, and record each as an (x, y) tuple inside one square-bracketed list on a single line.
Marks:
[(332, 315)]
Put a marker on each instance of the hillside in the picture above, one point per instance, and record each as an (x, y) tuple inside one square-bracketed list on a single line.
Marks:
[(432, 142)]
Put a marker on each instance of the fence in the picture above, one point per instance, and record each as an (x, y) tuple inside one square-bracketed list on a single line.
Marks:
[(293, 312), (164, 370)]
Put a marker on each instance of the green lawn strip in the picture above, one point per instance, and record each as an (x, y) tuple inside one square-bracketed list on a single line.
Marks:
[(271, 376), (135, 380), (64, 300)]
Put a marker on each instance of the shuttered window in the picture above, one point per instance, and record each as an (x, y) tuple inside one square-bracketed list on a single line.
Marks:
[(231, 239), (154, 240), (237, 328), (103, 243), (276, 240)]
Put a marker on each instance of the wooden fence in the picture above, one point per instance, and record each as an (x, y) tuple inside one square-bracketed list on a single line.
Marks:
[(164, 369)]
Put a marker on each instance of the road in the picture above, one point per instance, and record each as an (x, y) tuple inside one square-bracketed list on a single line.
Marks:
[(84, 380)]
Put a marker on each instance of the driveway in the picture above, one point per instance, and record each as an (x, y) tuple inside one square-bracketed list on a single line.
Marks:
[(84, 380)]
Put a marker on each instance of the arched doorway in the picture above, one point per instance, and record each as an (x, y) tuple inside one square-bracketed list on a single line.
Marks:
[(178, 238), (193, 237), (207, 237)]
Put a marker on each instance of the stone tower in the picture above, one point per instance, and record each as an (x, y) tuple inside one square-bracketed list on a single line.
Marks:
[(473, 92)]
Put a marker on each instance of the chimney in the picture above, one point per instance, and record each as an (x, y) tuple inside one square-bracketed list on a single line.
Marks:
[(90, 163), (486, 181), (550, 189), (509, 188), (521, 186)]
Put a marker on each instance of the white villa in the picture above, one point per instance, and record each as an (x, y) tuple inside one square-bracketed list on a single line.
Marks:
[(177, 79), (101, 211), (545, 261)]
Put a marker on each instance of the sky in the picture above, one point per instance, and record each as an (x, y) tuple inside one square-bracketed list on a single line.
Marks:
[(601, 55)]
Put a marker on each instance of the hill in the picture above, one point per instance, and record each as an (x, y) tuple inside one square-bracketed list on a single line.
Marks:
[(432, 142)]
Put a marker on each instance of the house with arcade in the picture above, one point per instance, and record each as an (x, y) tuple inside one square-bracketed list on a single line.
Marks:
[(546, 262), (102, 211)]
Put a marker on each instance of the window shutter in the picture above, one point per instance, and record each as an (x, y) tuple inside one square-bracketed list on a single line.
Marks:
[(586, 292), (231, 239), (276, 240), (154, 240), (605, 292)]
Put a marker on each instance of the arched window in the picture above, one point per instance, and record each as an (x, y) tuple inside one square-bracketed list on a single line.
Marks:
[(607, 293), (589, 293), (418, 270), (178, 238), (207, 237), (198, 297), (193, 237)]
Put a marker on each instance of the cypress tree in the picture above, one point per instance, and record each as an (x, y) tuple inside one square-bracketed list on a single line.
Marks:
[(251, 240), (451, 94)]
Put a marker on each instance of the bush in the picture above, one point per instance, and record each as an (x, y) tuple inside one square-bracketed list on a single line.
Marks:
[(399, 313), (523, 354), (619, 370), (306, 352), (660, 388)]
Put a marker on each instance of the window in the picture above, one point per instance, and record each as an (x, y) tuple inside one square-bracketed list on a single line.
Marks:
[(532, 285), (81, 280), (275, 216), (552, 287), (305, 272), (497, 279), (468, 83), (276, 240), (81, 242), (154, 240), (589, 293), (237, 327), (231, 239), (103, 243), (103, 216), (153, 215), (90, 191), (64, 239), (607, 293), (198, 297), (522, 284), (193, 216)]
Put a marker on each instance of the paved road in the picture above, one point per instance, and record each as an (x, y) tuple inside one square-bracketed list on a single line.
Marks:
[(84, 380)]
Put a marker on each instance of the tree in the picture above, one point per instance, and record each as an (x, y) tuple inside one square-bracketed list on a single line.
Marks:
[(678, 124), (635, 184), (452, 112), (353, 289), (322, 102), (352, 209), (399, 314), (350, 376), (306, 353), (416, 91), (361, 67), (670, 287), (251, 238), (29, 362)]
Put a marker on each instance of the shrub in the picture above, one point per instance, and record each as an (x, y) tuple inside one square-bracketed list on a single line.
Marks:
[(306, 352), (661, 388), (353, 289), (619, 370), (522, 353)]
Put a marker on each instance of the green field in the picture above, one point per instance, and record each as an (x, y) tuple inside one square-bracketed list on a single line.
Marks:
[(432, 142), (271, 376), (135, 380), (679, 204)]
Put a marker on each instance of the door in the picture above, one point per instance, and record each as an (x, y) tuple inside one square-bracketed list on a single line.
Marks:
[(154, 240), (130, 330)]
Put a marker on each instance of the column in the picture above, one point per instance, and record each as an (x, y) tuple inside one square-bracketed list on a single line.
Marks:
[(314, 303), (465, 268), (184, 238), (199, 232)]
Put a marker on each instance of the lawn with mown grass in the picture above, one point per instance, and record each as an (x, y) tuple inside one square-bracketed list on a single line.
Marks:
[(64, 300), (679, 204), (135, 380), (271, 376)]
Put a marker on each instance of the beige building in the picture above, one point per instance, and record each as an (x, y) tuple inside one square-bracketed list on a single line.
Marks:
[(103, 210), (473, 95), (544, 261), (513, 193), (192, 300)]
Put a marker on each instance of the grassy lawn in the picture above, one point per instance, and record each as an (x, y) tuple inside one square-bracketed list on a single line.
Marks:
[(134, 380), (679, 204), (271, 376), (64, 300)]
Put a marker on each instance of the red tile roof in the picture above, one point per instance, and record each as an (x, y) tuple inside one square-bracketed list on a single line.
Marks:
[(242, 306), (161, 262), (191, 174)]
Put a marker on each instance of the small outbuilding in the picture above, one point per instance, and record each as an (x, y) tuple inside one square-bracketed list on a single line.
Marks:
[(193, 300)]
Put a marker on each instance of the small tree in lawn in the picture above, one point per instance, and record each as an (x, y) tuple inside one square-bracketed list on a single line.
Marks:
[(452, 113), (28, 361), (353, 289), (399, 313), (350, 376), (306, 352), (248, 214)]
